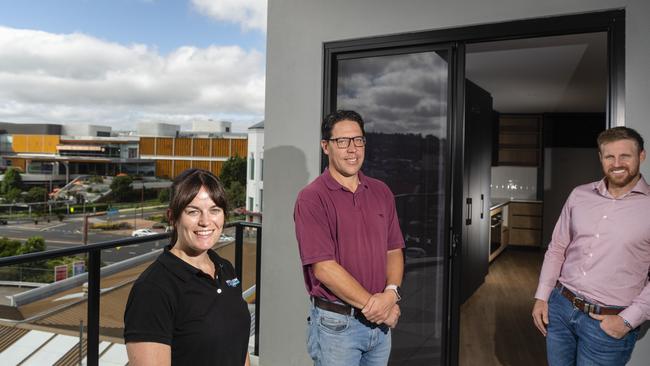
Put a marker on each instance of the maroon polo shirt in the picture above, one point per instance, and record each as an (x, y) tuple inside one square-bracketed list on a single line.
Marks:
[(354, 229)]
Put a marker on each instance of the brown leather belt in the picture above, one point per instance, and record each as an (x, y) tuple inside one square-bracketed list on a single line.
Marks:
[(585, 306), (343, 309)]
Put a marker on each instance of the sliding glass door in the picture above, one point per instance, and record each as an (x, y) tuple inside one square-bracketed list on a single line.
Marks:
[(404, 98)]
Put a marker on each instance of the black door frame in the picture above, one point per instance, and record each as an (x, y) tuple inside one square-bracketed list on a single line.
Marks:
[(612, 22)]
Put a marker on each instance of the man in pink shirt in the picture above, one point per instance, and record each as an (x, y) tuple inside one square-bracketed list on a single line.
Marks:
[(593, 291)]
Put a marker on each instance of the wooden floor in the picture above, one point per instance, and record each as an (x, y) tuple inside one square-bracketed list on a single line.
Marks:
[(496, 324)]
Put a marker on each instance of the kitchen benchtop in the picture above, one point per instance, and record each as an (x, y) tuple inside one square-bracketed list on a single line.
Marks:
[(499, 202)]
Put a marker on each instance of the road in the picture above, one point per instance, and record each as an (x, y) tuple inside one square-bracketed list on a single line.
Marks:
[(68, 234)]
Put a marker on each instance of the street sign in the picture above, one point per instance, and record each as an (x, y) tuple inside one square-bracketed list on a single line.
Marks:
[(71, 209), (78, 268), (60, 272), (111, 212)]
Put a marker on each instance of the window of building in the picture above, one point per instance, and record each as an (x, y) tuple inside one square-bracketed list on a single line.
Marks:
[(251, 164), (5, 143), (133, 153), (261, 199), (250, 203), (262, 169)]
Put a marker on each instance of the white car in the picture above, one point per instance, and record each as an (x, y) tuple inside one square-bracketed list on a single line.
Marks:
[(143, 232), (225, 238)]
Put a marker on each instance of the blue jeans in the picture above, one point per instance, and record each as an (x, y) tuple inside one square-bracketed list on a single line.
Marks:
[(575, 338), (343, 340)]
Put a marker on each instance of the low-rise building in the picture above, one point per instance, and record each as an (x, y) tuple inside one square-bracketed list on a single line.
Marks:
[(207, 146), (255, 173)]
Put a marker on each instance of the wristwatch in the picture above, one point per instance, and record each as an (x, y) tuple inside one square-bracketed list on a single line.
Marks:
[(397, 289), (627, 324)]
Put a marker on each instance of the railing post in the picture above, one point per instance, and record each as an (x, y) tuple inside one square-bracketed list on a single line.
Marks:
[(94, 259), (239, 250), (258, 275), (81, 340)]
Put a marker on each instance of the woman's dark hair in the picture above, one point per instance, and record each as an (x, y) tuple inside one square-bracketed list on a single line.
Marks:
[(341, 115), (186, 186)]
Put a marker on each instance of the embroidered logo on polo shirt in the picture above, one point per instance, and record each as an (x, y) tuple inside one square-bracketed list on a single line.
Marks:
[(233, 283)]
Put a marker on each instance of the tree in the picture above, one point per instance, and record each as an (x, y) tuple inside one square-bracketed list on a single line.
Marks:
[(36, 194), (32, 245), (163, 196), (11, 180), (233, 177), (9, 247), (233, 170), (13, 195), (121, 188), (236, 195)]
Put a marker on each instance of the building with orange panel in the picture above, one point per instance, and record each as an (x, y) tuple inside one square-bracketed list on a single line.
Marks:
[(206, 146)]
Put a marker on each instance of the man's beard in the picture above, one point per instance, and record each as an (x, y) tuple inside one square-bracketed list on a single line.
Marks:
[(621, 181)]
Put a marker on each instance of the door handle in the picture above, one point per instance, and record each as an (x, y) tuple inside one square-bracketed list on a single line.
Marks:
[(453, 250), (468, 219), (482, 205)]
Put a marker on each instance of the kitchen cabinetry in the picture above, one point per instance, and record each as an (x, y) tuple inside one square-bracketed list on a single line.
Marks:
[(519, 140), (475, 246), (499, 231), (525, 223)]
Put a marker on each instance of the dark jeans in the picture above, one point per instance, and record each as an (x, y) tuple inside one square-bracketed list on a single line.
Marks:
[(575, 338)]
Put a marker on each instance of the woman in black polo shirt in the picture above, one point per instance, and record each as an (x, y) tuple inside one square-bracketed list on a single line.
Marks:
[(187, 307)]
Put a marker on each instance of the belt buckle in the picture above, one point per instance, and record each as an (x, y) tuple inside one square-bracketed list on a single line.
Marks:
[(575, 300), (587, 307)]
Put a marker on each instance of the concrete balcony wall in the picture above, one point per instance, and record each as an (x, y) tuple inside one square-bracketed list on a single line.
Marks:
[(294, 87)]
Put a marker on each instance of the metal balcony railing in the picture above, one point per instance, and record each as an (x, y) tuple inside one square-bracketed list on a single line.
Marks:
[(94, 263)]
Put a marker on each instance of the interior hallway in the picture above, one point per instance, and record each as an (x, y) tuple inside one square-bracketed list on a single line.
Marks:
[(496, 323)]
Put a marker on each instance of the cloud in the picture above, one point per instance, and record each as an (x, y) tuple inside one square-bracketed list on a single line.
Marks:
[(396, 94), (250, 14), (65, 78)]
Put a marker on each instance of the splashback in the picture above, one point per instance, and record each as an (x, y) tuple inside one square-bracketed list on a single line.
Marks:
[(514, 182)]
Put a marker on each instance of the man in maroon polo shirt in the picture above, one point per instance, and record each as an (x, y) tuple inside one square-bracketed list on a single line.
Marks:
[(351, 251)]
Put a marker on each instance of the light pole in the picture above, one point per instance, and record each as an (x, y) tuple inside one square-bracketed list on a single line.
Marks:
[(142, 200)]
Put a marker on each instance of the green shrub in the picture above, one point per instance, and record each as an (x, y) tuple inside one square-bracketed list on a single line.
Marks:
[(163, 196), (96, 179), (14, 195), (9, 247), (36, 194), (111, 225), (158, 218)]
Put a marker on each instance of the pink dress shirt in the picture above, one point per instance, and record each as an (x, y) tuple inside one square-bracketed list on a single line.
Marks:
[(600, 249)]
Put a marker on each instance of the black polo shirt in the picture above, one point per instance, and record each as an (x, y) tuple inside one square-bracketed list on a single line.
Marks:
[(205, 321)]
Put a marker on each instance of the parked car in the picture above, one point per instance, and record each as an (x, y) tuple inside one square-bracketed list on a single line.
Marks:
[(225, 238), (143, 232)]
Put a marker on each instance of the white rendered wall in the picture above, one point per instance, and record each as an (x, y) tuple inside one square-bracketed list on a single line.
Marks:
[(296, 32), (253, 186), (84, 130), (157, 129)]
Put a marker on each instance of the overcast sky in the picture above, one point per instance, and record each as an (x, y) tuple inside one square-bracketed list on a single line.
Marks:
[(118, 62)]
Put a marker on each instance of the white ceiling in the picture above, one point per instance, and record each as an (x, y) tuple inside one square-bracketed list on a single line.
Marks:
[(537, 75)]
